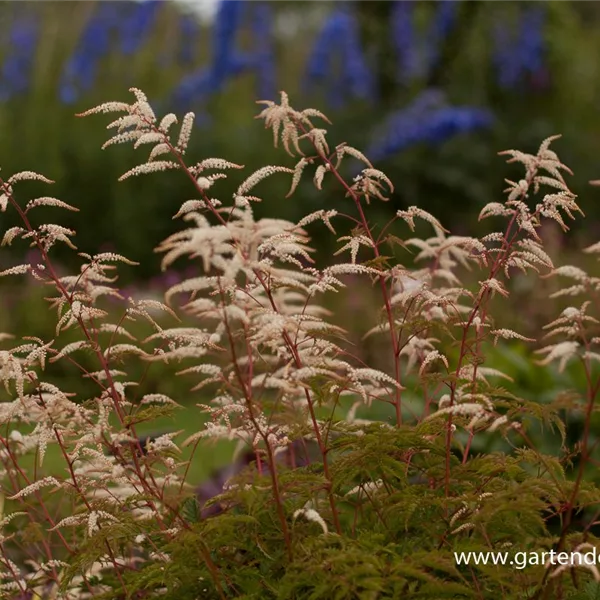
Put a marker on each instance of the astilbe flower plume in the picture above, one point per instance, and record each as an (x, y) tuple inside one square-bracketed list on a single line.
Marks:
[(264, 288)]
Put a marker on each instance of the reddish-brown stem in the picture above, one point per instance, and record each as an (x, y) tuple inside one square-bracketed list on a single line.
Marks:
[(247, 392), (42, 504), (382, 284), (480, 306), (286, 337)]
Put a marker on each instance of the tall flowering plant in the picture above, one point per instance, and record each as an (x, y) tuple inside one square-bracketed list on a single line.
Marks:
[(402, 494)]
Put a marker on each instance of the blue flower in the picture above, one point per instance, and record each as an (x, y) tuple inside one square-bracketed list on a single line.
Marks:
[(265, 65), (357, 77), (521, 53), (319, 62), (443, 23), (427, 120), (403, 38), (227, 22), (340, 36), (137, 24), (188, 33), (194, 88), (532, 43), (229, 62), (16, 70), (225, 62), (79, 73), (417, 57)]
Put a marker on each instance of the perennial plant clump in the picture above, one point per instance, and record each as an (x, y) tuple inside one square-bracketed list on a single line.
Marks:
[(394, 487)]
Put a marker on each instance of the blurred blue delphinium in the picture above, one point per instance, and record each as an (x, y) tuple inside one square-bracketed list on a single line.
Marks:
[(196, 87), (520, 53), (533, 42), (79, 73), (357, 76), (265, 64), (136, 24), (417, 55), (428, 119), (17, 66), (443, 23), (338, 45), (403, 36), (226, 60), (189, 30), (193, 89)]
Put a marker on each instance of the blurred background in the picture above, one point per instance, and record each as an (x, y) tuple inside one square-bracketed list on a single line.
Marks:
[(429, 90)]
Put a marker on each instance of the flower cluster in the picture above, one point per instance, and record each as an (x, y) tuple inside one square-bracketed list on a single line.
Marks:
[(18, 65), (189, 32), (136, 24), (226, 60), (428, 119), (79, 73), (338, 45), (519, 53), (417, 55)]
